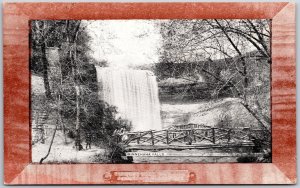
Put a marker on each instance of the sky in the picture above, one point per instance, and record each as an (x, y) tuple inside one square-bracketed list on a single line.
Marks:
[(126, 43), (123, 43)]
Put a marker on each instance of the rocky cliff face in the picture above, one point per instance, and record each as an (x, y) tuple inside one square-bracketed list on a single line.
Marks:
[(190, 91)]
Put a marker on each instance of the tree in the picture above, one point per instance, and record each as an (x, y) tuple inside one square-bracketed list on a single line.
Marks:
[(241, 35), (39, 37), (229, 52), (59, 74), (72, 83)]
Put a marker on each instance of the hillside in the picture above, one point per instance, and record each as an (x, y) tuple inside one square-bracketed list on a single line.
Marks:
[(207, 113)]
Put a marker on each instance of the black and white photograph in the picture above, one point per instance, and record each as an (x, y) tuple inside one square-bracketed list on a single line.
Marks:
[(150, 91)]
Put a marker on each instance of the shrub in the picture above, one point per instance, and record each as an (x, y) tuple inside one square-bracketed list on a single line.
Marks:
[(101, 122), (247, 159)]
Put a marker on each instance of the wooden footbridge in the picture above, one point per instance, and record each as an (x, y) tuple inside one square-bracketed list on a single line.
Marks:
[(193, 136)]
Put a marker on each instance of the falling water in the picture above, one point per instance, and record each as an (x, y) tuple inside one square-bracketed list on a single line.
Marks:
[(134, 93)]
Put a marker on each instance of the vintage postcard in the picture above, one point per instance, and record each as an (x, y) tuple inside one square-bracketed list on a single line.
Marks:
[(150, 91), (181, 94)]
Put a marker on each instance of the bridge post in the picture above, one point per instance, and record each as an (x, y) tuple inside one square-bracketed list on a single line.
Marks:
[(167, 136), (229, 136), (193, 135), (152, 138), (138, 139), (213, 135), (248, 131)]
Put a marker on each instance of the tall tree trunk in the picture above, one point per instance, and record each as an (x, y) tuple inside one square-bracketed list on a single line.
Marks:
[(71, 37), (59, 110), (77, 107), (45, 72), (77, 125), (244, 72), (77, 90), (59, 107), (52, 139), (76, 82)]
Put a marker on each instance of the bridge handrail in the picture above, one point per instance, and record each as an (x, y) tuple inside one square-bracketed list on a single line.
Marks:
[(212, 134), (190, 129)]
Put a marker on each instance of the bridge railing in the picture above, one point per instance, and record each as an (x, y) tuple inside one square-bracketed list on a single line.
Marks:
[(193, 136)]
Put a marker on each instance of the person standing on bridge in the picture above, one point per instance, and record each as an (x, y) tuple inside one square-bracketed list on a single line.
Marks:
[(118, 133)]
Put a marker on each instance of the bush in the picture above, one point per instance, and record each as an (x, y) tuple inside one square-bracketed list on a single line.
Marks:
[(248, 159), (101, 123), (71, 134)]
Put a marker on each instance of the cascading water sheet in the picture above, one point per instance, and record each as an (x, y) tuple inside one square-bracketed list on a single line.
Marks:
[(134, 93)]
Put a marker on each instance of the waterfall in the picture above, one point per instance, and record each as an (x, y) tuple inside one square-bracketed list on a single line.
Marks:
[(134, 93)]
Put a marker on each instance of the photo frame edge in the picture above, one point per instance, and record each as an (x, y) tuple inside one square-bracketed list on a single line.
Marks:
[(18, 179)]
